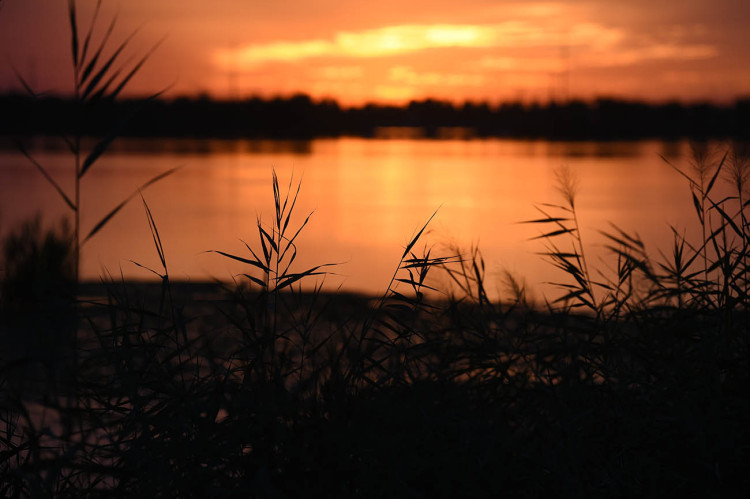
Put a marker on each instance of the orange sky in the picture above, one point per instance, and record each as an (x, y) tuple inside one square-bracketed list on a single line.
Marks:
[(397, 50)]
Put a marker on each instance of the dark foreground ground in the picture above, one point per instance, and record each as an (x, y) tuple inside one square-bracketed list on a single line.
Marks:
[(194, 390)]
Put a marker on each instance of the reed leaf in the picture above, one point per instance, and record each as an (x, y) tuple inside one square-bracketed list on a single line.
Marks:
[(698, 208), (687, 177), (276, 197), (102, 90), (289, 279), (49, 178), (254, 263), (264, 236), (558, 254), (251, 251), (716, 175), (291, 259), (729, 220), (73, 31), (624, 238), (102, 146), (106, 67), (290, 243), (135, 70), (554, 233), (100, 225), (23, 82), (557, 206), (149, 269), (90, 31), (87, 70), (416, 283), (545, 220), (291, 208), (257, 281), (155, 233), (417, 236)]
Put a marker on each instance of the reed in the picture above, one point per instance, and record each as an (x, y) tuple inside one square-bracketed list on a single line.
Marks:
[(99, 76)]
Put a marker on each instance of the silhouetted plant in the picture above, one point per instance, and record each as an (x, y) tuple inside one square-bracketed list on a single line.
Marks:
[(97, 78), (37, 264), (390, 344), (581, 291), (268, 347), (37, 313)]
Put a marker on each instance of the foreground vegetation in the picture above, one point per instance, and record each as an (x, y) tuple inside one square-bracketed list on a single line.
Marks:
[(633, 382)]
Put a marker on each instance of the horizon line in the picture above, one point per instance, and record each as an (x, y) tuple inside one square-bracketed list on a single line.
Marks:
[(492, 103)]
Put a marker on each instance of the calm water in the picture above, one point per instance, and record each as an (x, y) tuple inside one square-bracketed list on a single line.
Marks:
[(369, 196)]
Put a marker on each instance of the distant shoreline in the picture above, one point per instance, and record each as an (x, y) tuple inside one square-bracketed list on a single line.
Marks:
[(301, 118)]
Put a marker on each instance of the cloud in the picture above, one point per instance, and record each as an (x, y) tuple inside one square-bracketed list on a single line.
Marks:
[(409, 38), (400, 39), (340, 72), (521, 64), (655, 52), (591, 58), (406, 75)]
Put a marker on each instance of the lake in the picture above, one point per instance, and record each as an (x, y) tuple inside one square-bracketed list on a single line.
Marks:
[(369, 196)]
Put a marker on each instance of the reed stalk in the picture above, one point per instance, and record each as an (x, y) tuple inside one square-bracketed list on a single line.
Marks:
[(97, 76)]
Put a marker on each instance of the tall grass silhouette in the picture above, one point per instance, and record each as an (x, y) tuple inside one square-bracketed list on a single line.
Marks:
[(98, 76)]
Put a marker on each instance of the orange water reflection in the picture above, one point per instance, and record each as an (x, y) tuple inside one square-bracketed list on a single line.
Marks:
[(369, 197)]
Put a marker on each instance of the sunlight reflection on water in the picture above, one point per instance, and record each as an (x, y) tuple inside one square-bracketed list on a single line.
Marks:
[(369, 197)]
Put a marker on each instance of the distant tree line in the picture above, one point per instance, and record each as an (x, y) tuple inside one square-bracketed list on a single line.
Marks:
[(300, 117)]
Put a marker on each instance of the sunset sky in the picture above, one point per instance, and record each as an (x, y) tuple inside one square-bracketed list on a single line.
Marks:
[(395, 50)]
